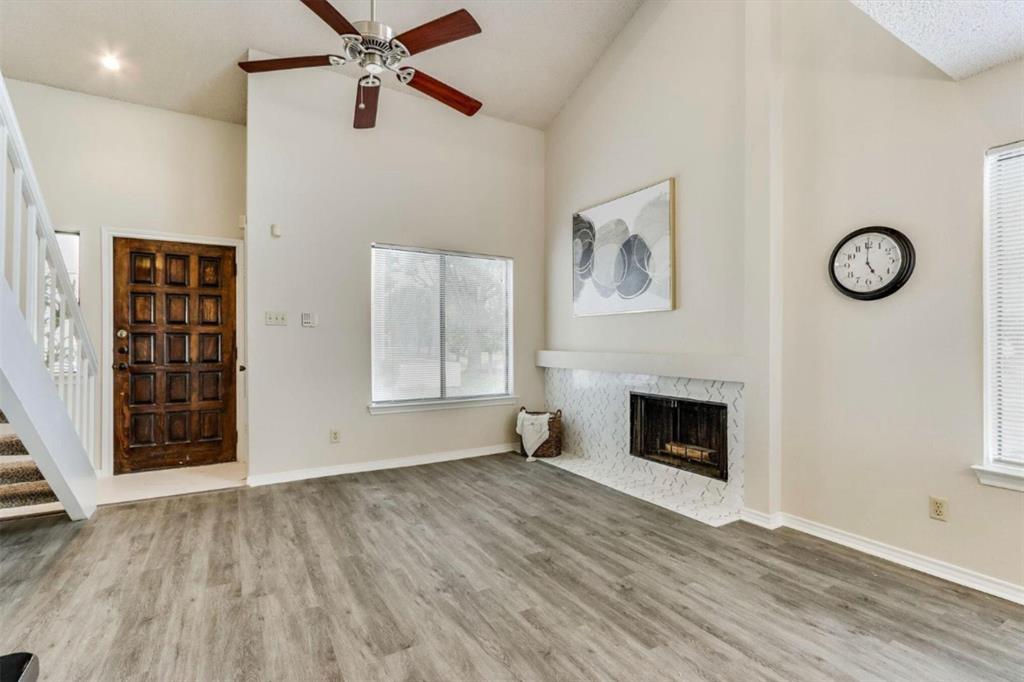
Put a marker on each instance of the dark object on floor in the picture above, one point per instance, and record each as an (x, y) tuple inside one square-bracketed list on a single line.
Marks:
[(552, 447), (19, 667)]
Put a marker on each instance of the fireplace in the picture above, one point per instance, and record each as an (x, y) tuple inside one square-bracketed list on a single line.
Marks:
[(680, 432)]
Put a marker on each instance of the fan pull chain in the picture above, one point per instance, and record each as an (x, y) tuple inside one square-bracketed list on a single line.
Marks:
[(361, 104)]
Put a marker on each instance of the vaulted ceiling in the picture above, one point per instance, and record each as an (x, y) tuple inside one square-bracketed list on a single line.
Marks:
[(181, 54)]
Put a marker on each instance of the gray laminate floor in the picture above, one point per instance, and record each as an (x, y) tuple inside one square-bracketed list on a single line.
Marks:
[(483, 569)]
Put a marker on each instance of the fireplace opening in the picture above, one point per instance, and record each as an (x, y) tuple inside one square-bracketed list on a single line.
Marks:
[(680, 432)]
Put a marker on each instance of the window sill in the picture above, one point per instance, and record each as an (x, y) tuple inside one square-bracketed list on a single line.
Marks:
[(1000, 476), (430, 405)]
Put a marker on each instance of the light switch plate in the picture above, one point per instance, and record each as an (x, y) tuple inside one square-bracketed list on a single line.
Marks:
[(275, 319), (310, 319)]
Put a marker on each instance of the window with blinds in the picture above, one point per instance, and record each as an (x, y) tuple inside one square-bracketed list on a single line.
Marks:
[(1004, 304), (441, 326)]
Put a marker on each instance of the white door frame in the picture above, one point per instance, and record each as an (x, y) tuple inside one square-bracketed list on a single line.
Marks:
[(107, 337)]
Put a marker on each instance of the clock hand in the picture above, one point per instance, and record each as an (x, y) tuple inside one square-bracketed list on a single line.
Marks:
[(867, 258)]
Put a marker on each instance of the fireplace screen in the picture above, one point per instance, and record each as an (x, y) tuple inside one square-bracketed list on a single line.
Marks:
[(680, 432)]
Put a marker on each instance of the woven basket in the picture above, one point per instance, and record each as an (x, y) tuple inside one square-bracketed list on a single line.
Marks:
[(552, 447)]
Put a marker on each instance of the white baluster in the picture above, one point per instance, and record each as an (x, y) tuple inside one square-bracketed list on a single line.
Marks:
[(90, 429), (3, 199), (71, 378), (58, 343), (79, 397), (69, 374), (51, 288), (65, 355), (82, 385), (31, 244), (86, 405), (41, 292), (75, 405), (17, 225)]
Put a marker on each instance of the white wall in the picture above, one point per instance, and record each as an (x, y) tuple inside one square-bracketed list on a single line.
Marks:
[(883, 400), (668, 99), (861, 410), (426, 176), (105, 163)]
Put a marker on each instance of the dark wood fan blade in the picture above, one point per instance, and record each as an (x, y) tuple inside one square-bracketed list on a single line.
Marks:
[(455, 26), (444, 93), (366, 116), (287, 63), (331, 16)]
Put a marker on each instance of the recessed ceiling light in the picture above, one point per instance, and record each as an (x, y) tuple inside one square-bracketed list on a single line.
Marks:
[(110, 62)]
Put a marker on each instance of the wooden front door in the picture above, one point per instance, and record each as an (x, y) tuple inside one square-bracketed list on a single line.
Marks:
[(174, 354)]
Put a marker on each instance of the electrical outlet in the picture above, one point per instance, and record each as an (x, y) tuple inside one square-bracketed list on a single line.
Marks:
[(273, 319), (938, 508), (335, 436)]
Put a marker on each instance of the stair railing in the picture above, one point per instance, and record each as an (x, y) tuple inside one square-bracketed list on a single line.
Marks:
[(33, 267)]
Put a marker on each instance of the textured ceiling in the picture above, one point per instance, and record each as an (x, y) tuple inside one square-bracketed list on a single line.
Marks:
[(181, 54), (961, 37)]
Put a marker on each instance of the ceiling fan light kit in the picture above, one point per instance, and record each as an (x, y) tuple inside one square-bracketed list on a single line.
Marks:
[(374, 47)]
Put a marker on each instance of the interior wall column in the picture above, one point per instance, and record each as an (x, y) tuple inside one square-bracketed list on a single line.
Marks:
[(763, 256)]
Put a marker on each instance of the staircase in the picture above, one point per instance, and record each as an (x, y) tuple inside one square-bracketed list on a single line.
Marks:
[(48, 365), (21, 483)]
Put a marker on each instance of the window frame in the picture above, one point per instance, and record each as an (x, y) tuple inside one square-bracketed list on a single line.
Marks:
[(445, 403), (993, 470), (77, 282)]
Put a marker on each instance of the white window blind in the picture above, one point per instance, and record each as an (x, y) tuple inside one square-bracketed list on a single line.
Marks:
[(441, 325), (1004, 304)]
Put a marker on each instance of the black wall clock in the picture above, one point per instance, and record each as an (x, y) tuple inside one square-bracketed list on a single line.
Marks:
[(871, 263)]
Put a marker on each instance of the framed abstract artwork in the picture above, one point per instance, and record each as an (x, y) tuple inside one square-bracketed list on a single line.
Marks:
[(623, 252)]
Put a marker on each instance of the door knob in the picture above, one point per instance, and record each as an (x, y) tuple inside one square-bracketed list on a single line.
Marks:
[(120, 365), (122, 333)]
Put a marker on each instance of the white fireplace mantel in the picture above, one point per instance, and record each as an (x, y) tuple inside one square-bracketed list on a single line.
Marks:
[(686, 365)]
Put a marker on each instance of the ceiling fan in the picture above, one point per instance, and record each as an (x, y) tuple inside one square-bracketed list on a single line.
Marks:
[(375, 48)]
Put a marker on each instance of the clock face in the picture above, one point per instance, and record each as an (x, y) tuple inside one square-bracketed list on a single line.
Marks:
[(872, 263)]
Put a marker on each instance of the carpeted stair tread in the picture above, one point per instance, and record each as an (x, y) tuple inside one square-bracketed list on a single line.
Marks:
[(19, 471), (21, 482), (11, 445), (25, 494)]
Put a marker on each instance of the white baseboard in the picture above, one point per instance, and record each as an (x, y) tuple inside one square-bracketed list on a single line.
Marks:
[(759, 518), (918, 562), (375, 465)]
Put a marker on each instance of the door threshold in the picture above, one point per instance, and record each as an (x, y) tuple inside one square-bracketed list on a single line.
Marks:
[(147, 485)]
